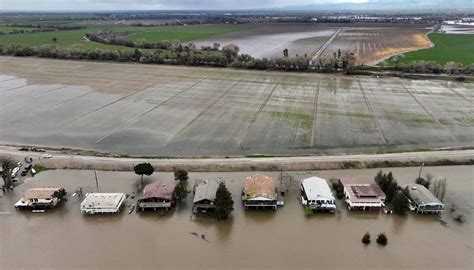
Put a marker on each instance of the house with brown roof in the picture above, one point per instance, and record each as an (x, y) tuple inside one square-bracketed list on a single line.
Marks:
[(157, 196), (204, 196), (364, 197), (259, 192), (38, 198)]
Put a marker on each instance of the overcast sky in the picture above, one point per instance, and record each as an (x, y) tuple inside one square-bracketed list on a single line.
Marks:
[(80, 5), (27, 5)]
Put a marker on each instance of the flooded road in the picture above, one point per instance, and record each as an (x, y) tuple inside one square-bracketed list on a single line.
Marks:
[(286, 239)]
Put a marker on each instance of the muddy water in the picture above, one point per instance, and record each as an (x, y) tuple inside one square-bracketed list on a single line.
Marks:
[(286, 239)]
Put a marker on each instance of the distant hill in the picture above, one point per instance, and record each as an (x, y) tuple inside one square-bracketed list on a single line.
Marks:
[(389, 5)]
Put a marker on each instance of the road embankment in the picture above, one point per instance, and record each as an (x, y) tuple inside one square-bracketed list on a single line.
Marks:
[(61, 160)]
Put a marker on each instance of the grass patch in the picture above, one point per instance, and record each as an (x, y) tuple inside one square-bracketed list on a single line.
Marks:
[(181, 33), (457, 48), (305, 119), (349, 114), (39, 168), (421, 119)]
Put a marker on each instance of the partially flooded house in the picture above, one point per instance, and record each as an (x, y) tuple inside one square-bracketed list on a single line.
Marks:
[(102, 203), (423, 201), (362, 197), (259, 192), (39, 198), (316, 194), (157, 196), (205, 196)]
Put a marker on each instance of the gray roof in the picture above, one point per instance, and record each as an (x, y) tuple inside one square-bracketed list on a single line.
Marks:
[(205, 190), (422, 195)]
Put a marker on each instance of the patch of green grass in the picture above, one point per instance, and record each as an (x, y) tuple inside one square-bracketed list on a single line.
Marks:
[(457, 48), (305, 119), (181, 33), (348, 114), (9, 29), (421, 119), (39, 168)]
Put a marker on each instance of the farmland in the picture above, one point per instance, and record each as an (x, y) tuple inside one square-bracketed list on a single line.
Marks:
[(178, 111), (370, 42), (457, 48)]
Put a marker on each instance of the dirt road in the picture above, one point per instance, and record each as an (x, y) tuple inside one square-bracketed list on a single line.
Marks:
[(62, 160)]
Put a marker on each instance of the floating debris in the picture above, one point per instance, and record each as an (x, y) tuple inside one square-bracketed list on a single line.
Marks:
[(194, 233)]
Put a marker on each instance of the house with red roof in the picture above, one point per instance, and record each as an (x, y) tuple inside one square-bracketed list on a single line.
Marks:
[(363, 197), (157, 196)]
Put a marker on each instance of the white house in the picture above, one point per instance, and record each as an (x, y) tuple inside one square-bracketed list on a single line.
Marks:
[(98, 203), (316, 194)]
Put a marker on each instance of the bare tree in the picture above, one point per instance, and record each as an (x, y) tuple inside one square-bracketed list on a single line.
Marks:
[(7, 167), (439, 187)]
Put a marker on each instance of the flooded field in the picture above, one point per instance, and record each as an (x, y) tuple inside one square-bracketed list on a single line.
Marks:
[(179, 111), (286, 239), (370, 42)]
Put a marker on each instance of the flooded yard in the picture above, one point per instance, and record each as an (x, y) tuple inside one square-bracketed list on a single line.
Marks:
[(64, 239)]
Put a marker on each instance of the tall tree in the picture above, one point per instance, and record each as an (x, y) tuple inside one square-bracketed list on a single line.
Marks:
[(224, 202), (7, 167), (143, 169), (181, 175)]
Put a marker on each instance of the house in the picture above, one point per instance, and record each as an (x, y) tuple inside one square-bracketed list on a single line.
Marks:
[(365, 197), (100, 203), (423, 201), (316, 194), (38, 198), (205, 195), (157, 196), (259, 192)]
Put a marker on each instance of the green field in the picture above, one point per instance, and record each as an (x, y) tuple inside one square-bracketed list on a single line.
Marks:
[(152, 34), (9, 29), (182, 33), (457, 48)]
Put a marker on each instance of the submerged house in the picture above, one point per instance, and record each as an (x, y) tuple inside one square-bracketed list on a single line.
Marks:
[(316, 194), (38, 198), (423, 201), (365, 197), (102, 203), (259, 192), (205, 195), (157, 196)]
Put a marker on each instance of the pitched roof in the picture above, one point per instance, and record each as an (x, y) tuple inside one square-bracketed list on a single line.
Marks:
[(40, 193), (317, 188), (159, 189), (205, 190), (362, 193), (260, 185), (421, 195)]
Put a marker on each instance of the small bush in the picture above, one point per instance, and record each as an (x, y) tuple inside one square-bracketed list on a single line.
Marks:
[(366, 238), (382, 239), (308, 211)]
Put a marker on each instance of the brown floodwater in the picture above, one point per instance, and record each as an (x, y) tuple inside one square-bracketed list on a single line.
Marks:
[(64, 239)]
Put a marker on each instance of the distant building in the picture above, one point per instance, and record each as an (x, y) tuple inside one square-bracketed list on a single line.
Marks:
[(423, 201), (316, 194), (365, 197), (100, 203), (259, 192), (38, 198), (205, 195), (157, 196)]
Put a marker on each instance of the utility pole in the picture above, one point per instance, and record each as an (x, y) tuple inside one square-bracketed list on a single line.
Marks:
[(96, 180), (421, 168)]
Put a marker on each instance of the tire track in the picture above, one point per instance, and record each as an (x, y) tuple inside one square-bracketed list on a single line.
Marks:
[(429, 113), (458, 93), (14, 88), (207, 108), (369, 106), (255, 116), (315, 115), (325, 46), (150, 110)]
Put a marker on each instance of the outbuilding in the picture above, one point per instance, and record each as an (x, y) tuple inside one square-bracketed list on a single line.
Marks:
[(316, 194), (423, 201), (100, 203), (157, 196), (205, 195), (259, 192)]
